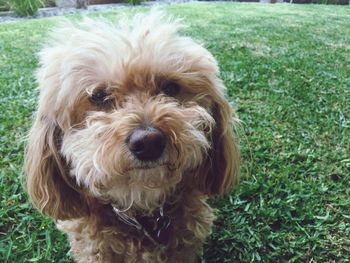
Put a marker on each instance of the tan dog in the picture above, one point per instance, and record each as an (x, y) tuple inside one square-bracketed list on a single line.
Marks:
[(131, 136)]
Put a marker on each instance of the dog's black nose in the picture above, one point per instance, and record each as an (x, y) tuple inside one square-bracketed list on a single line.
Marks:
[(146, 143)]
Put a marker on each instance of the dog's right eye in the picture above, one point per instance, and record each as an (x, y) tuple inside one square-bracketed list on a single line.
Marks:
[(100, 97), (171, 88)]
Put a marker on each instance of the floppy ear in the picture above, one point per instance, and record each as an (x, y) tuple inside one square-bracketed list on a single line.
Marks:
[(50, 188), (220, 172)]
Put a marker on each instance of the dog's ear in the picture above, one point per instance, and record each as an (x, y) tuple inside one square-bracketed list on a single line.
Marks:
[(220, 172), (50, 188)]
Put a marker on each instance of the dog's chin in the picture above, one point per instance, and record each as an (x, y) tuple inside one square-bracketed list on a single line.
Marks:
[(146, 186), (151, 166)]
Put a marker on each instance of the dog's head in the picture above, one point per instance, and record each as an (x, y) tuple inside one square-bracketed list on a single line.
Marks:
[(125, 114)]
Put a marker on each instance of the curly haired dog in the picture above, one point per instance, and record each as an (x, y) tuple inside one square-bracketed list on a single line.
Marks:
[(132, 135)]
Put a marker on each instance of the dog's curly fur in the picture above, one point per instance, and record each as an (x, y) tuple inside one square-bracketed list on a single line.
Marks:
[(78, 162)]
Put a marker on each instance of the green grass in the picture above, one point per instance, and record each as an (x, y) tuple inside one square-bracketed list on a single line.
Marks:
[(25, 7), (287, 68)]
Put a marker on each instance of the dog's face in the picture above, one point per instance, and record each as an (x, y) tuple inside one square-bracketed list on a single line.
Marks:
[(125, 114)]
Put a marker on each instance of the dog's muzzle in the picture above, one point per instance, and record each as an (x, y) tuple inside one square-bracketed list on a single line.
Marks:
[(146, 143)]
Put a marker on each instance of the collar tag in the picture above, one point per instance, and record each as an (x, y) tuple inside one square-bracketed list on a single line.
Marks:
[(156, 228)]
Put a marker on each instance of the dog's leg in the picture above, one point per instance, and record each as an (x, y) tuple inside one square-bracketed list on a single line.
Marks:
[(89, 244)]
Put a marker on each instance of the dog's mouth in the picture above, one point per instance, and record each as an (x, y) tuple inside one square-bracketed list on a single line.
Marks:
[(169, 165)]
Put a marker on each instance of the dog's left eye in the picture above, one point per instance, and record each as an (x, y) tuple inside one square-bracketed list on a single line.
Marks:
[(171, 88), (100, 97)]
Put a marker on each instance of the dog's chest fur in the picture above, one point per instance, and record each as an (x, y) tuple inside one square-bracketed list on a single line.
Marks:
[(102, 237)]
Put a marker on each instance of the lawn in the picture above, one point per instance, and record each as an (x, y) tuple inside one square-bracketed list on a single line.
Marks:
[(287, 70)]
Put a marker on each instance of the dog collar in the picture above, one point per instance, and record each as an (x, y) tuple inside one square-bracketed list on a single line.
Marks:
[(156, 227)]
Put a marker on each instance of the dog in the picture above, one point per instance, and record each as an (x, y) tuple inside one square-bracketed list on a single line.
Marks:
[(132, 134)]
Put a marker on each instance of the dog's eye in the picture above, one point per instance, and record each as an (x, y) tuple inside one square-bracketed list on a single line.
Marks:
[(100, 97), (171, 88)]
